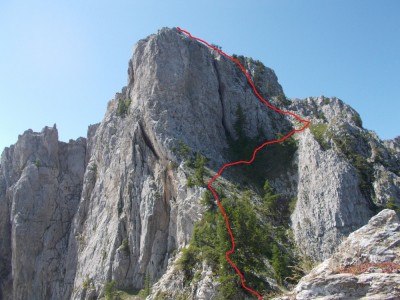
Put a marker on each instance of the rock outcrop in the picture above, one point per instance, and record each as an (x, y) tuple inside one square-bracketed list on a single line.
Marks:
[(345, 173), (330, 204), (135, 208), (365, 266), (116, 207), (41, 183)]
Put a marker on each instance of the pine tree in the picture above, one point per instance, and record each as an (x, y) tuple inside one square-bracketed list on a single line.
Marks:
[(270, 199), (279, 263), (199, 169), (147, 284), (209, 201)]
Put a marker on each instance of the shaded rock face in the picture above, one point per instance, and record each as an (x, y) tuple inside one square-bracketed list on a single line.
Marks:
[(74, 216), (41, 182), (376, 243)]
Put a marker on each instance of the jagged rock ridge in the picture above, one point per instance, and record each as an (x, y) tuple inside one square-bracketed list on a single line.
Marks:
[(41, 183), (117, 207)]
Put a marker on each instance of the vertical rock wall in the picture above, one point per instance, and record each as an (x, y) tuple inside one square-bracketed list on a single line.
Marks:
[(41, 182)]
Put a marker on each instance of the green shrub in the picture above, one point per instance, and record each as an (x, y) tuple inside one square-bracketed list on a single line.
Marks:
[(242, 61), (110, 291), (254, 240), (123, 106), (187, 262), (184, 150), (37, 163), (304, 264), (173, 165), (147, 284), (230, 285), (270, 199), (189, 182), (208, 201), (93, 168), (125, 246), (276, 207), (199, 169), (318, 131), (280, 263), (357, 120), (197, 276), (189, 163), (391, 204), (88, 283)]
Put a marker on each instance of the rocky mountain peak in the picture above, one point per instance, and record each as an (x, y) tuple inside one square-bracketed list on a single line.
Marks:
[(118, 210)]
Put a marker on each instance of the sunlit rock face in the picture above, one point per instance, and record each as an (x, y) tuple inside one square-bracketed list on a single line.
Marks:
[(116, 206)]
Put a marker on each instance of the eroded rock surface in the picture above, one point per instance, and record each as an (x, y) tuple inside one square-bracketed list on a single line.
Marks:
[(41, 182), (329, 204), (376, 243), (117, 207)]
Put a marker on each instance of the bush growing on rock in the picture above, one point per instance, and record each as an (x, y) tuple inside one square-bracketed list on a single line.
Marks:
[(123, 106)]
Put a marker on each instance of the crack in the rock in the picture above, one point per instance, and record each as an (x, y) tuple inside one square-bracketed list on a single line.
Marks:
[(147, 141), (220, 93)]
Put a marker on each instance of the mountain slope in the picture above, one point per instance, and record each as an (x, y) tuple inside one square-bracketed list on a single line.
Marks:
[(125, 201)]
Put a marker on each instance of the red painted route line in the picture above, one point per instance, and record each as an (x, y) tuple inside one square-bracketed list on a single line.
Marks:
[(228, 253)]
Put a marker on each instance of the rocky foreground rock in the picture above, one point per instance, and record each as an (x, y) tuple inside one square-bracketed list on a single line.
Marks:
[(365, 266), (116, 206)]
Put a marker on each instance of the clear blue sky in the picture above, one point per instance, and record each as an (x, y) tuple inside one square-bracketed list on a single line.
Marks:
[(61, 61)]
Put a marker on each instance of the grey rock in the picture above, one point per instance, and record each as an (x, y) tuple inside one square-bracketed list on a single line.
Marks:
[(376, 242), (329, 204), (171, 286), (41, 182), (135, 195), (116, 206), (330, 201)]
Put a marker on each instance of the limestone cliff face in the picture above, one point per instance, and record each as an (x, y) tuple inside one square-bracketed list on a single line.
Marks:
[(135, 208), (345, 173), (180, 89), (329, 205), (116, 206), (41, 182)]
